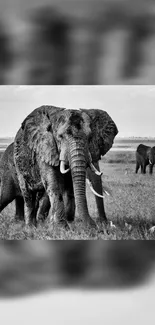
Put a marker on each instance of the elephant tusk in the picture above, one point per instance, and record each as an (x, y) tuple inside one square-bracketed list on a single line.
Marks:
[(106, 192), (93, 168), (62, 168), (91, 187), (152, 229), (150, 162)]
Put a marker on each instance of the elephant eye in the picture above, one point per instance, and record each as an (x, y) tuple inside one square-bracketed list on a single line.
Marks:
[(60, 136)]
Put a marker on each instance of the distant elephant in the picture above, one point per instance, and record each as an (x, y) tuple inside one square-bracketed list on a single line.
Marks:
[(145, 156), (53, 149), (10, 189)]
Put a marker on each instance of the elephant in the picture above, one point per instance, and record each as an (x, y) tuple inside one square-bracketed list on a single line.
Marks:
[(145, 156), (10, 189), (53, 149)]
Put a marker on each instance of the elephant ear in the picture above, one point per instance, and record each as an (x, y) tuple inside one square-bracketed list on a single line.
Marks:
[(104, 131), (38, 134)]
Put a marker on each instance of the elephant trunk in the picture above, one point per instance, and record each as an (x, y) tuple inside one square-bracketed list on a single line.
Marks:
[(78, 166)]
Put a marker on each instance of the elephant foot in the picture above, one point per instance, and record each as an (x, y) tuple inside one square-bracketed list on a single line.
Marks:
[(60, 224), (70, 217), (102, 225), (19, 218), (64, 226), (32, 223), (90, 223), (42, 217), (29, 231), (35, 223), (59, 220), (102, 221)]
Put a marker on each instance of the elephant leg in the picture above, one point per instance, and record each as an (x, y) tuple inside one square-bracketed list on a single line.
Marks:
[(57, 207), (68, 197), (144, 169), (150, 169), (69, 203), (19, 204), (37, 199), (97, 185), (53, 186), (30, 207), (28, 197), (137, 167), (43, 208)]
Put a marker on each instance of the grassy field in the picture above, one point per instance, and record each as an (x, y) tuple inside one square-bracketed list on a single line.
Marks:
[(131, 205)]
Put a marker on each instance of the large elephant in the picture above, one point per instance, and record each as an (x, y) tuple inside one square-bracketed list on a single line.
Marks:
[(10, 189), (145, 156), (53, 149)]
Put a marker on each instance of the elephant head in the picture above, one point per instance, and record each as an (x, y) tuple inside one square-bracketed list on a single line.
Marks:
[(65, 140), (151, 157)]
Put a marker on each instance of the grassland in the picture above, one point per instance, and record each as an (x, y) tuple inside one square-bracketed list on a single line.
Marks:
[(131, 205)]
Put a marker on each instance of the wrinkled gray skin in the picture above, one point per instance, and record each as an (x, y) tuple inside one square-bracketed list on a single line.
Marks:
[(10, 190), (52, 140), (145, 156)]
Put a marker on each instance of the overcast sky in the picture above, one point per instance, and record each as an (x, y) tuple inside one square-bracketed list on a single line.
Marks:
[(131, 107)]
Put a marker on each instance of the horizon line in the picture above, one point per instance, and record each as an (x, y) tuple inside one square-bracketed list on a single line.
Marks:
[(117, 137)]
